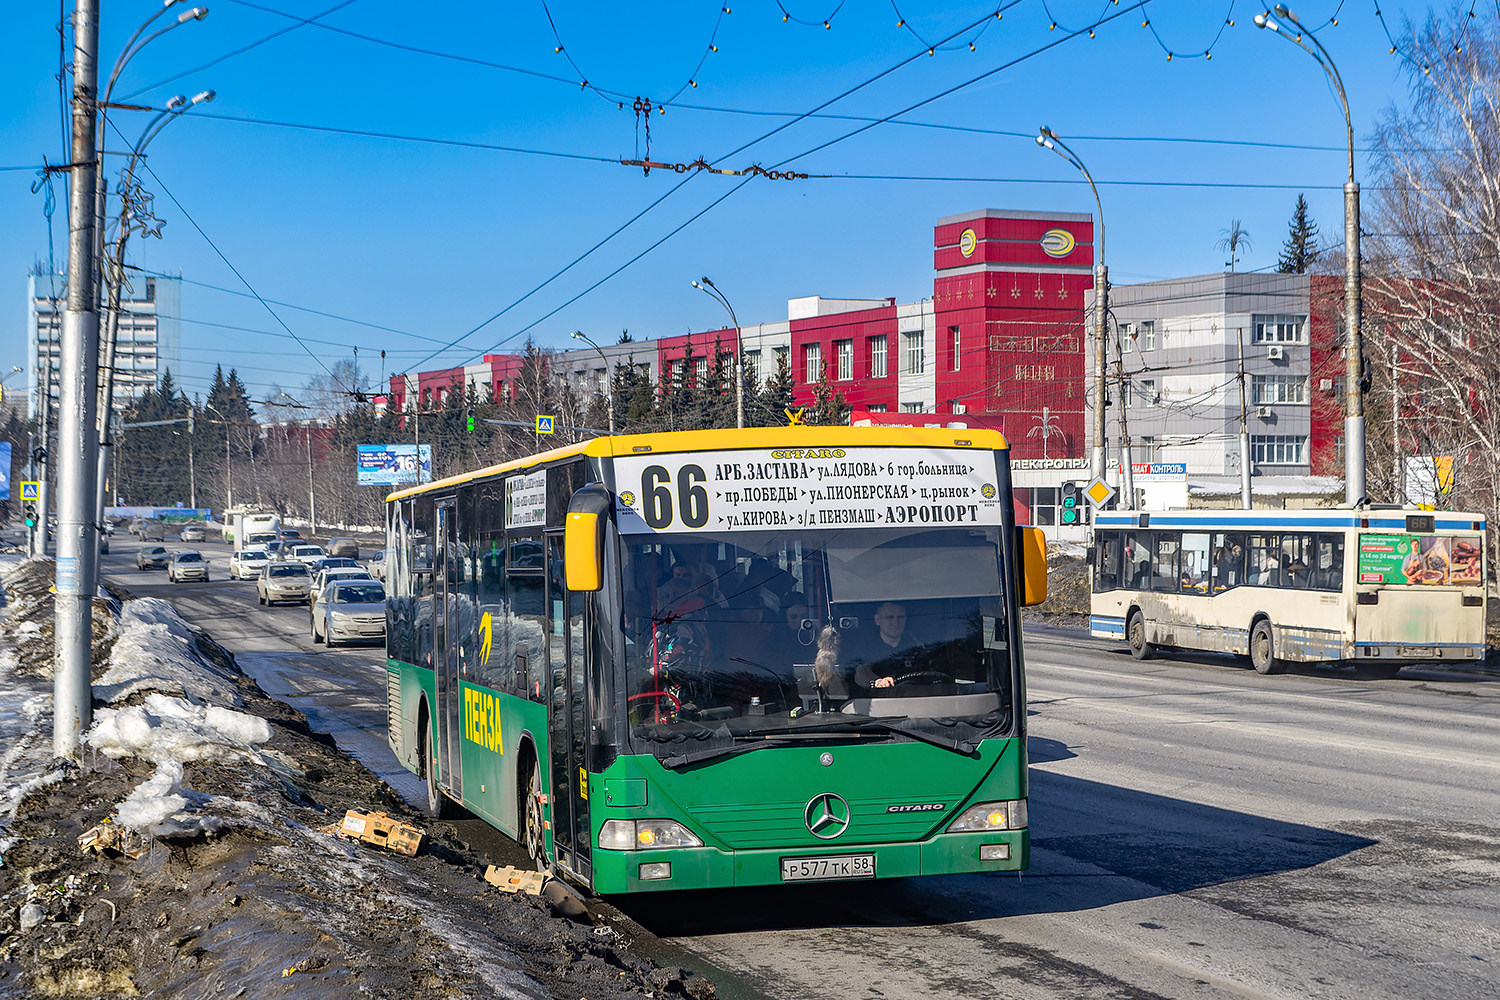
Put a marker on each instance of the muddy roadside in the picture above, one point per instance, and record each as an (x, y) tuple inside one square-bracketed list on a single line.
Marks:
[(239, 890)]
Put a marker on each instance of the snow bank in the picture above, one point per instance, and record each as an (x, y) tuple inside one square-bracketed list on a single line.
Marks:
[(167, 729), (156, 651)]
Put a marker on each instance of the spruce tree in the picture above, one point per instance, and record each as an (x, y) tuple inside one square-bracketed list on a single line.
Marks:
[(1301, 247)]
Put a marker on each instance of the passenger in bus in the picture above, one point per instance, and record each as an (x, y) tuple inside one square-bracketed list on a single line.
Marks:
[(884, 657)]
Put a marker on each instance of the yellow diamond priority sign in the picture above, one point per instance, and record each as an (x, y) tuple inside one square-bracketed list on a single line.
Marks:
[(1099, 493)]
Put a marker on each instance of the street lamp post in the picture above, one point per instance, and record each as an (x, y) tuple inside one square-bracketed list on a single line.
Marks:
[(228, 478), (114, 274), (609, 388), (312, 500), (704, 285), (1354, 347), (1050, 140)]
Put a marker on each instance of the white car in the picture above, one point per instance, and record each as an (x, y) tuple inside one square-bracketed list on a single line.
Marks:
[(347, 611), (187, 565), (303, 552), (246, 564), (332, 573)]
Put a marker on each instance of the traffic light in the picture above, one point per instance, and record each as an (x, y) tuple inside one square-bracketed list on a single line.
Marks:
[(471, 423), (1072, 504), (30, 516)]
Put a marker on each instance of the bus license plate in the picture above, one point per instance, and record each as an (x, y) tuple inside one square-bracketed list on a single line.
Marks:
[(833, 867)]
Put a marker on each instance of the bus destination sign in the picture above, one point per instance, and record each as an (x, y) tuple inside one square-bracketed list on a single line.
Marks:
[(805, 488)]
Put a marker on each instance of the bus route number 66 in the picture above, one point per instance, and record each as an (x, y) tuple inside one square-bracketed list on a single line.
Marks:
[(692, 497)]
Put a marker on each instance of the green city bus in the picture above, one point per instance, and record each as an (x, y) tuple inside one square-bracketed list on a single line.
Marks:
[(721, 658)]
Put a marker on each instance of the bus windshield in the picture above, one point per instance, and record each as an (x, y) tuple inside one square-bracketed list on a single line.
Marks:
[(755, 636)]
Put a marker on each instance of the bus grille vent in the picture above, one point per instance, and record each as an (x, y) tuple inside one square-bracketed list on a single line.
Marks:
[(393, 710)]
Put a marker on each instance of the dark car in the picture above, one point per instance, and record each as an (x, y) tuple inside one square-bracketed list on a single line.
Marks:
[(346, 548), (152, 557), (288, 534)]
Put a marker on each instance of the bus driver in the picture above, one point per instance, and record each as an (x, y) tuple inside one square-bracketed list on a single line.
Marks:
[(884, 651)]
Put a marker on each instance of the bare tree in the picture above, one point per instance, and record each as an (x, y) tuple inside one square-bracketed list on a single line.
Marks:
[(1432, 286)]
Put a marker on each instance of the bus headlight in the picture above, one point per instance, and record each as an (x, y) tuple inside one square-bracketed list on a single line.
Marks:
[(645, 834), (991, 816)]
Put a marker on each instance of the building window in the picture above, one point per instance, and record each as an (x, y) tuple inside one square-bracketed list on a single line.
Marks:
[(1267, 389), (1147, 332), (957, 345), (1044, 505), (1147, 391), (877, 408), (812, 357), (752, 367), (1278, 329), (911, 407), (1127, 338), (913, 349), (1278, 449), (877, 357), (844, 349)]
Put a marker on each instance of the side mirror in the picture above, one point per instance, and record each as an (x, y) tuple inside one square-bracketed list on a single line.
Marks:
[(583, 539), (1031, 561)]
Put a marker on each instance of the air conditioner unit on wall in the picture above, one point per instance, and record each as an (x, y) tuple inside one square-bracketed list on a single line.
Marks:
[(1326, 384), (1276, 352), (1263, 412)]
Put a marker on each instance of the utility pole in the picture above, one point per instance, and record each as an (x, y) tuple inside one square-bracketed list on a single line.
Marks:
[(44, 497), (77, 441), (1398, 470), (1127, 461), (1244, 428)]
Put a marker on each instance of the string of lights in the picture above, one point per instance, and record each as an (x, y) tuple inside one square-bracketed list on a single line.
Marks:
[(640, 103), (825, 22), (1206, 52), (1410, 57), (902, 21)]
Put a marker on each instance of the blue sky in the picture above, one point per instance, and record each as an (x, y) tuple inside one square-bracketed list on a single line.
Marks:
[(421, 243)]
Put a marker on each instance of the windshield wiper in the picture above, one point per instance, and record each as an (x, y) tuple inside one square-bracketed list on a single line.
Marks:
[(760, 743), (905, 728)]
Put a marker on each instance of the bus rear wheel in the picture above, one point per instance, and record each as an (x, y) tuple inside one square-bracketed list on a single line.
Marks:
[(1263, 650), (1135, 634), (531, 817)]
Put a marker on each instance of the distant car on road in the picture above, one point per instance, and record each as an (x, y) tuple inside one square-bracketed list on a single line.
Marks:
[(187, 565), (193, 533), (329, 562), (151, 530), (345, 547), (304, 552), (246, 564), (376, 565), (152, 557), (289, 534), (282, 582), (349, 611), (133, 526), (323, 578)]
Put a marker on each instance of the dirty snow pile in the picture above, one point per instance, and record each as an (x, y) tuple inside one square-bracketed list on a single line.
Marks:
[(157, 651)]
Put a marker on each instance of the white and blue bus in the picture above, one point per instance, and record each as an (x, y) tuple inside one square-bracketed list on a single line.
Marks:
[(1374, 588)]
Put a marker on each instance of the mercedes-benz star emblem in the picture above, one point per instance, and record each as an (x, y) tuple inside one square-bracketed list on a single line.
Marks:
[(827, 816)]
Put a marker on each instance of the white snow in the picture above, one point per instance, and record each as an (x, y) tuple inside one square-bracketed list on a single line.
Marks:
[(155, 652), (170, 729)]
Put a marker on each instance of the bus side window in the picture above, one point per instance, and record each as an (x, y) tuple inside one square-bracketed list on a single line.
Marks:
[(1229, 561), (1107, 566), (1164, 566), (1296, 561), (1328, 569), (1194, 568), (1265, 560), (1138, 561)]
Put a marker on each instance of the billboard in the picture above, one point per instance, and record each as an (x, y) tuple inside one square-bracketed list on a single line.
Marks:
[(392, 464)]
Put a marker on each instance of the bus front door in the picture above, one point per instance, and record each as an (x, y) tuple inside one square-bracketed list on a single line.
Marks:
[(571, 836), (446, 570)]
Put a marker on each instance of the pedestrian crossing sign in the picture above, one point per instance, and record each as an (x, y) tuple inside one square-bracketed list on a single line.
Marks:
[(544, 424), (31, 491)]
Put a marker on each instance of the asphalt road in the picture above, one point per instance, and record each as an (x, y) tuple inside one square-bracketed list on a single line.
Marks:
[(1198, 831)]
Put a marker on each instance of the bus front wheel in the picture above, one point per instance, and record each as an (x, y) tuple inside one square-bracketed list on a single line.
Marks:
[(1263, 650), (1135, 633), (439, 806), (531, 817)]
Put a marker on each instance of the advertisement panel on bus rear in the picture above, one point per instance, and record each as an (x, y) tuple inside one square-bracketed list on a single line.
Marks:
[(1420, 560), (806, 488)]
